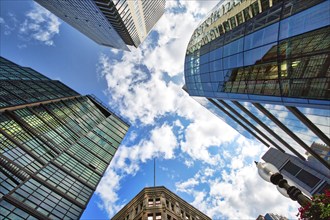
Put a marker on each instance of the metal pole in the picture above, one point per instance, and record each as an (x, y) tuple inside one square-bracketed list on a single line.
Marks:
[(154, 172)]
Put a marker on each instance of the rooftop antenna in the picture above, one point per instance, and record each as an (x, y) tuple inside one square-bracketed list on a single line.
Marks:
[(154, 171)]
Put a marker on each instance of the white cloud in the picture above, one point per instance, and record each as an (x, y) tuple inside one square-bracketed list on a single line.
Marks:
[(162, 143), (237, 192), (40, 25), (242, 194), (107, 190), (186, 185), (140, 86), (9, 24)]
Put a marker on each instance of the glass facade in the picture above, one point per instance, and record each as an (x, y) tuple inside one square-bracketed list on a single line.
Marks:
[(279, 55), (111, 23), (53, 154), (263, 67)]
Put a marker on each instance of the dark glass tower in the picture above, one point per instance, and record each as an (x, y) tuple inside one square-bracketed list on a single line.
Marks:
[(264, 67), (112, 23), (55, 145)]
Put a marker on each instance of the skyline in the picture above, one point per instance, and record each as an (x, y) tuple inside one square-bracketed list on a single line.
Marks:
[(166, 123)]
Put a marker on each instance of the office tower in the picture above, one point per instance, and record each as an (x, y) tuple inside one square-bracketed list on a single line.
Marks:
[(55, 145), (303, 174), (156, 203), (264, 65), (271, 216), (322, 150), (112, 23)]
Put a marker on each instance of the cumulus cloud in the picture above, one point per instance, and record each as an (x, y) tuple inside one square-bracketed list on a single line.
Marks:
[(237, 192), (40, 25), (107, 190), (161, 143), (145, 85)]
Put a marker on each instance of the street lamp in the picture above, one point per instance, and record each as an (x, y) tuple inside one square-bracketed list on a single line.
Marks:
[(271, 174)]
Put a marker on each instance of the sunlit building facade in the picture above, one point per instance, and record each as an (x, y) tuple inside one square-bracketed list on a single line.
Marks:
[(112, 23), (263, 66), (158, 203), (55, 145)]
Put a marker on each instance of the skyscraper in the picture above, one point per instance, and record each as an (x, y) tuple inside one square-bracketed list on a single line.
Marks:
[(112, 23), (158, 203), (271, 216), (264, 66), (55, 145), (308, 178)]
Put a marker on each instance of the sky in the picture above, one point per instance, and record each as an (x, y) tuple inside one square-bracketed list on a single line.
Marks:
[(198, 156)]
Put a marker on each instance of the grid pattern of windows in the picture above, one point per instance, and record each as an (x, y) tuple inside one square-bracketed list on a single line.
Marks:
[(12, 71), (15, 153), (81, 15), (97, 148), (42, 128), (78, 169), (22, 85), (53, 154), (45, 201), (65, 183), (55, 123), (158, 203), (7, 182), (32, 143), (94, 161), (8, 211), (266, 56)]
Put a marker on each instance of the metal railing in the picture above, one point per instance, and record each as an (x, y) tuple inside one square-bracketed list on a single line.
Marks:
[(112, 112)]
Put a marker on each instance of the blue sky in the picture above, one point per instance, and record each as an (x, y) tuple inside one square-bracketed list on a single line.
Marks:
[(198, 156)]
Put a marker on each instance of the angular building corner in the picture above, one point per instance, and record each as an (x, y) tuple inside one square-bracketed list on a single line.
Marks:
[(55, 145), (311, 178), (158, 203), (112, 23), (264, 67)]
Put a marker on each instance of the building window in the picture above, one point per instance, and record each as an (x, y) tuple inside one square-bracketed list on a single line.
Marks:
[(158, 202), (187, 216), (302, 175), (167, 204), (158, 216), (291, 168), (169, 217), (307, 178), (150, 216), (136, 210), (150, 202), (172, 207)]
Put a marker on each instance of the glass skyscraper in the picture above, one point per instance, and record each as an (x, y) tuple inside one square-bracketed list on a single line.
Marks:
[(55, 145), (263, 65), (112, 23)]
